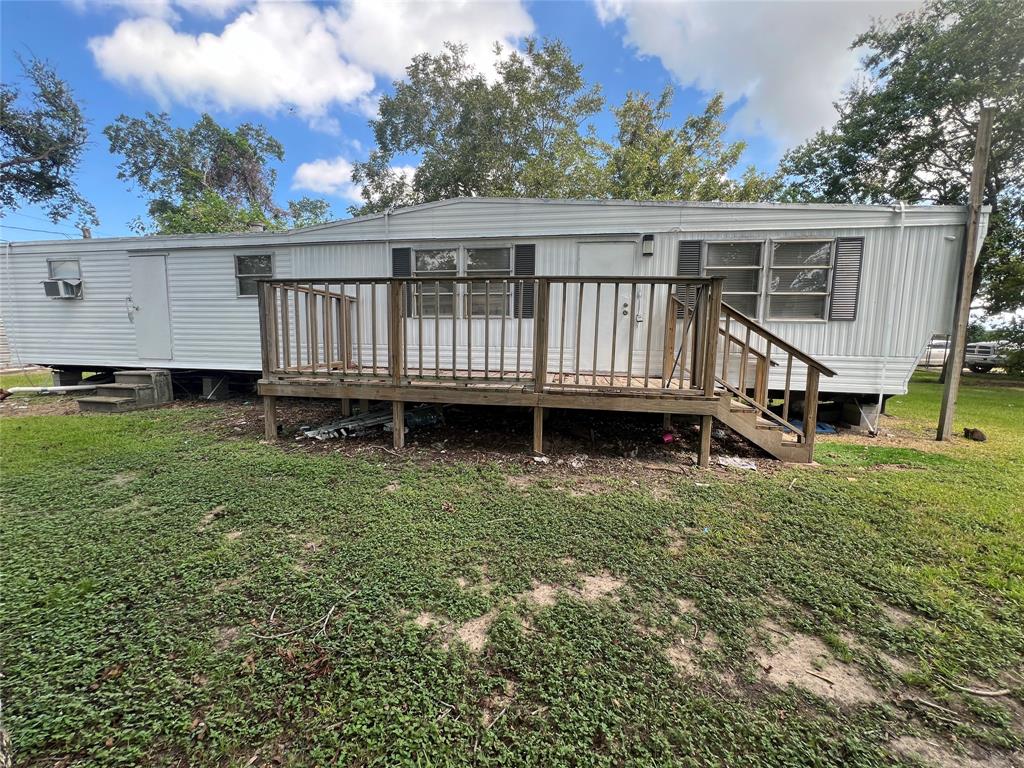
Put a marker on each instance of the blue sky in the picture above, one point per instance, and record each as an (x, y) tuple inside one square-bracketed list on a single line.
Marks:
[(311, 72)]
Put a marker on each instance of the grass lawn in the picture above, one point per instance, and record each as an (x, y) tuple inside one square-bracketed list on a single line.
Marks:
[(178, 593)]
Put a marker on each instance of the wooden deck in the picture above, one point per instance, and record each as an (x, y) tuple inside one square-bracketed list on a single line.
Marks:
[(661, 345)]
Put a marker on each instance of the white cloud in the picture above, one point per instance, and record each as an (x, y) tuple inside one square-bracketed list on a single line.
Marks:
[(269, 57), (384, 36), (789, 60), (328, 177), (217, 9), (297, 55)]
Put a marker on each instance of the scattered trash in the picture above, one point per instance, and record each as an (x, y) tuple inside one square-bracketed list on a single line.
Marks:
[(374, 420), (577, 462), (668, 437), (541, 460), (735, 462), (718, 434), (973, 433)]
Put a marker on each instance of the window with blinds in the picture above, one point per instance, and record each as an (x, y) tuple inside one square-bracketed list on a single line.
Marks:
[(798, 279), (740, 264)]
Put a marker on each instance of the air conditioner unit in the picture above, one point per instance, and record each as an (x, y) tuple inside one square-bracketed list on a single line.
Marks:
[(59, 288)]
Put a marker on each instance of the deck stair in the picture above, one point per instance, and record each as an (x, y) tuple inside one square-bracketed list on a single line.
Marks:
[(131, 391)]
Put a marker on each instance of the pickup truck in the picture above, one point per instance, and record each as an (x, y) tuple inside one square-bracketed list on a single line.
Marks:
[(983, 356)]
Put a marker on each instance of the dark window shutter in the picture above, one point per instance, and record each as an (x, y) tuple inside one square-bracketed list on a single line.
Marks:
[(846, 278), (687, 265), (401, 266), (525, 265)]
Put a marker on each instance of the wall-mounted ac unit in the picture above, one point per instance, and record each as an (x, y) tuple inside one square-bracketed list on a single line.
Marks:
[(59, 288)]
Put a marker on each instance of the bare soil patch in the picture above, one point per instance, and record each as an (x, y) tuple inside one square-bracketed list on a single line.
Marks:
[(596, 586), (474, 632), (540, 595), (225, 636), (206, 520), (934, 753), (806, 662)]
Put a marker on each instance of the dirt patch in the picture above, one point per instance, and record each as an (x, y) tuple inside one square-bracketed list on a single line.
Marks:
[(427, 619), (392, 487), (38, 405), (495, 705), (938, 755), (594, 587), (474, 632), (225, 636), (685, 652), (584, 486), (522, 482), (233, 535), (122, 478), (540, 595), (805, 661), (207, 520)]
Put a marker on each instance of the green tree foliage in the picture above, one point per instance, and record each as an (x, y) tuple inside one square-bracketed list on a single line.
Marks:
[(525, 133), (518, 135), (205, 178), (653, 162), (42, 137), (907, 131)]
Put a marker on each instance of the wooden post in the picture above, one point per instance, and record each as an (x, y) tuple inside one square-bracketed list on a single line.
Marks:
[(396, 330), (666, 421), (398, 423), (269, 418), (811, 411), (704, 452), (540, 337), (538, 430), (962, 311), (714, 316), (346, 407)]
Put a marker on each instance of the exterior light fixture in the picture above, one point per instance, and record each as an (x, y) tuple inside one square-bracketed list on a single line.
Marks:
[(647, 245)]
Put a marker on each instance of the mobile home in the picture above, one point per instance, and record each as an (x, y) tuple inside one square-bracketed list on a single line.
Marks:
[(857, 290)]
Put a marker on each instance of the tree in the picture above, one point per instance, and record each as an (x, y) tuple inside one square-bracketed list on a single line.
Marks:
[(43, 134), (652, 162), (308, 212), (907, 131), (206, 178), (519, 135)]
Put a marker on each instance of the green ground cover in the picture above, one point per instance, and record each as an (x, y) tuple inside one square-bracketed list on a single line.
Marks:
[(173, 597)]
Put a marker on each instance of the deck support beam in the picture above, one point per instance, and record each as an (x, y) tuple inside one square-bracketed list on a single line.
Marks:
[(704, 451), (270, 417), (346, 407), (398, 423), (538, 430)]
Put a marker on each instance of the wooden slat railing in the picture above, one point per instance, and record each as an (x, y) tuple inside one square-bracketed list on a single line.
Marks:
[(749, 352), (609, 334)]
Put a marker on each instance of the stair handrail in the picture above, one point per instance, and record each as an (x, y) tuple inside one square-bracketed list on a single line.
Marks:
[(777, 341)]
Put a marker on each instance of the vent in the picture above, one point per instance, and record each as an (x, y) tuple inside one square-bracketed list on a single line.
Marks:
[(687, 265), (846, 278), (525, 266), (401, 266)]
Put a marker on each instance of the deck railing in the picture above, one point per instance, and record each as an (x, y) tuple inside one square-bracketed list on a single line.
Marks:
[(749, 351), (612, 334)]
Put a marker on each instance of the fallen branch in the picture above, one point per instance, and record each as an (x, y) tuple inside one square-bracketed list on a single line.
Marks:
[(978, 691), (820, 677), (666, 468)]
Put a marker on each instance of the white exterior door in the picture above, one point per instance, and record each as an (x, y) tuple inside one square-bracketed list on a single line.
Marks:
[(148, 307), (605, 312)]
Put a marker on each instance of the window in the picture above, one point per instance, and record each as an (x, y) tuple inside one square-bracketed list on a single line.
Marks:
[(64, 269), (435, 298), (492, 300), (441, 297), (740, 265), (798, 280), (249, 268)]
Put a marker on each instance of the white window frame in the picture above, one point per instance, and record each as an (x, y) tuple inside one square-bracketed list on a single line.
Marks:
[(53, 259), (460, 296), (761, 268), (68, 288), (238, 275), (827, 293)]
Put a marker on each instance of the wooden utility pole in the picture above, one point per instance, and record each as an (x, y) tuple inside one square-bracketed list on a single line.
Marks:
[(955, 358)]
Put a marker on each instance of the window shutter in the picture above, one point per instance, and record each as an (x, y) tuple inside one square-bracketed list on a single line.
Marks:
[(687, 265), (525, 265), (846, 278), (401, 266)]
